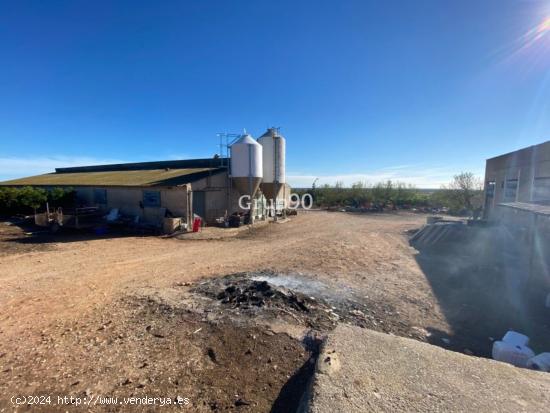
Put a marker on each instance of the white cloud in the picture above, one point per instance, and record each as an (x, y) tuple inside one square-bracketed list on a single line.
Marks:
[(13, 167), (417, 175)]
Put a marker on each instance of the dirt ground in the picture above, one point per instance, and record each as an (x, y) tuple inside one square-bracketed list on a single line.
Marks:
[(44, 282), (87, 316)]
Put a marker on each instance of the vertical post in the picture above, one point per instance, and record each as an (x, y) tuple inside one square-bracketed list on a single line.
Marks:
[(518, 185), (189, 192), (250, 185), (275, 173), (284, 200), (228, 185), (532, 250)]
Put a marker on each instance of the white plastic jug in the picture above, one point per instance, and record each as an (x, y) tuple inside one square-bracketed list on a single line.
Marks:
[(515, 338), (540, 362), (517, 355)]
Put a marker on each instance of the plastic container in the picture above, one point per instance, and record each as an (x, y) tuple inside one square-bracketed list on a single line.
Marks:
[(517, 355), (540, 362), (515, 338), (197, 224)]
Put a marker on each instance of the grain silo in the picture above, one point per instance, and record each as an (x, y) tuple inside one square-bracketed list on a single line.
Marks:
[(246, 167), (274, 178)]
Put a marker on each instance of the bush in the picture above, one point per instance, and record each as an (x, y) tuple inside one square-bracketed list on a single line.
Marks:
[(360, 195), (26, 199)]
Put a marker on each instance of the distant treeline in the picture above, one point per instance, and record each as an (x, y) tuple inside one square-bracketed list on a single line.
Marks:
[(26, 199), (360, 195), (462, 196)]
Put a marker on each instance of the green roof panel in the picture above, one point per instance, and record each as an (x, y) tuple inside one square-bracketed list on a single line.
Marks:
[(150, 177)]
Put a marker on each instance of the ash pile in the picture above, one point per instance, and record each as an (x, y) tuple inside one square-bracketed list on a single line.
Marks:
[(241, 294)]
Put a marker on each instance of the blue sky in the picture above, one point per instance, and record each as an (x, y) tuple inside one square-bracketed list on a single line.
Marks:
[(414, 91)]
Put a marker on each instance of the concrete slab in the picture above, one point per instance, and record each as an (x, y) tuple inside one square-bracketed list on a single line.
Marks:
[(361, 370)]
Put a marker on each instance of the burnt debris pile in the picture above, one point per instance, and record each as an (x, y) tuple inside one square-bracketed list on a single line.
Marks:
[(241, 293), (261, 293)]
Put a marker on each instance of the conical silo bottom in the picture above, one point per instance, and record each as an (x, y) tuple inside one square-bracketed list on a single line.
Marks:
[(271, 190), (246, 185)]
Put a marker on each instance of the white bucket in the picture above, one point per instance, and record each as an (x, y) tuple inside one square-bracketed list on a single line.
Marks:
[(517, 355), (540, 362), (515, 338)]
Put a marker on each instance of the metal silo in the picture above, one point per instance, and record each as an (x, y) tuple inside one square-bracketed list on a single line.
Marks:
[(246, 165), (274, 177)]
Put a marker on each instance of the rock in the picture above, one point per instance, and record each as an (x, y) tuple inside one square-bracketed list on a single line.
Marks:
[(241, 402), (211, 354)]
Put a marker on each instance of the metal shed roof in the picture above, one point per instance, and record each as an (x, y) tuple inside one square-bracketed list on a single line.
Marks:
[(131, 178)]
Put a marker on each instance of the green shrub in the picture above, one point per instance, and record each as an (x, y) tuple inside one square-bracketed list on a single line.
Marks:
[(26, 199), (360, 195)]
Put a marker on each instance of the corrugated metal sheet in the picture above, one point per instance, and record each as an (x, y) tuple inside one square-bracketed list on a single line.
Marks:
[(149, 177)]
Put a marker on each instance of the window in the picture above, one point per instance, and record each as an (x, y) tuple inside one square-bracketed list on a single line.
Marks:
[(151, 198), (541, 189), (100, 196), (510, 190), (490, 189)]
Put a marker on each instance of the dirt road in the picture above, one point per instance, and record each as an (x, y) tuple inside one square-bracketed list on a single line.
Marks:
[(57, 293)]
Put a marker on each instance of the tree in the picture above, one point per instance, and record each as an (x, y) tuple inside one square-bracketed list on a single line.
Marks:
[(61, 196), (8, 197), (31, 197), (463, 193), (467, 188)]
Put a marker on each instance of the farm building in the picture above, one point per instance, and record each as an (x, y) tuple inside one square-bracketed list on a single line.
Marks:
[(516, 178), (517, 198), (209, 188)]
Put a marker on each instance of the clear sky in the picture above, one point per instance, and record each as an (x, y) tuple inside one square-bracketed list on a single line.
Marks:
[(363, 90)]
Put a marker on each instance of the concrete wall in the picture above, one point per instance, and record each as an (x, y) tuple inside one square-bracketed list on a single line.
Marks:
[(130, 201), (528, 235), (526, 170)]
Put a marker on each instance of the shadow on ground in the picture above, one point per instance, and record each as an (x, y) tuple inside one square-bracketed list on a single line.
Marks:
[(25, 232), (482, 287)]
